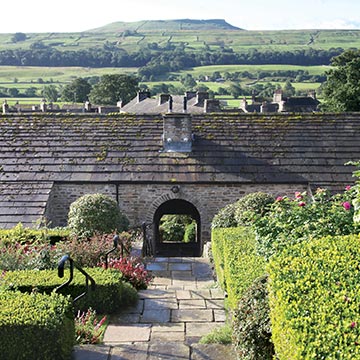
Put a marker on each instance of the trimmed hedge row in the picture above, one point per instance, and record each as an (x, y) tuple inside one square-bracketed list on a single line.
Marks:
[(111, 293), (315, 300), (36, 326), (21, 234), (236, 263)]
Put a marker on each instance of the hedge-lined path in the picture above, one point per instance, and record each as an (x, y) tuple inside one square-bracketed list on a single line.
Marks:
[(171, 316)]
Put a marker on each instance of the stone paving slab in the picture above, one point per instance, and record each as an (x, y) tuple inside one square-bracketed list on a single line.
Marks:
[(179, 327), (155, 316), (212, 352), (167, 336), (90, 352), (192, 304), (197, 315), (116, 334), (155, 293), (161, 304), (168, 351), (137, 351), (180, 266)]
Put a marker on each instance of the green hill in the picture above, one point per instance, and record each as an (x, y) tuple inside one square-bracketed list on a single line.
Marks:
[(166, 25)]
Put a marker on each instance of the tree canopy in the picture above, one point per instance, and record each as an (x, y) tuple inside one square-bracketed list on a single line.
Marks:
[(77, 91), (341, 91), (112, 88)]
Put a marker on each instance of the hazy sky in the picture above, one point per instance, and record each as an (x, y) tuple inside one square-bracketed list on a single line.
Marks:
[(80, 15)]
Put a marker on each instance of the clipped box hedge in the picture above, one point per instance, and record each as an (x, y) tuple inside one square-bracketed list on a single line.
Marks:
[(111, 293), (315, 300), (36, 326), (236, 263)]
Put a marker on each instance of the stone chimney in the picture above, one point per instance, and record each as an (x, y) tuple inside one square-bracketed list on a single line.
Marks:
[(278, 96), (211, 105), (312, 94), (142, 95), (190, 94), (177, 135), (87, 106), (243, 104), (5, 107), (164, 98), (43, 106), (201, 96)]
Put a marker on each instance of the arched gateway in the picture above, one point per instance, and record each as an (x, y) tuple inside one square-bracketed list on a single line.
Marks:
[(176, 248)]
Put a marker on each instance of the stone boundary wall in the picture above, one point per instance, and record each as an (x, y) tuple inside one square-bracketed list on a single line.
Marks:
[(140, 201)]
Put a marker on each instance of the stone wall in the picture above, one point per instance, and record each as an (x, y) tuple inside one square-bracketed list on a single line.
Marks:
[(140, 201)]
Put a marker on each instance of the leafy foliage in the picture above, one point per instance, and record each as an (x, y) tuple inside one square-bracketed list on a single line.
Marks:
[(304, 218), (251, 323), (112, 88), (225, 218), (341, 90), (88, 329), (111, 294), (314, 300), (173, 228), (132, 270), (236, 261), (77, 91), (34, 326), (251, 207), (95, 213)]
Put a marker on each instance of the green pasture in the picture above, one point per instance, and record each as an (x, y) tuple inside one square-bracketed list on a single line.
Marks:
[(32, 74), (135, 36), (209, 70)]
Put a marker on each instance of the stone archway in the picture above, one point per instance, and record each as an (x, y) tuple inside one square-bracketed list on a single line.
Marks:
[(176, 207)]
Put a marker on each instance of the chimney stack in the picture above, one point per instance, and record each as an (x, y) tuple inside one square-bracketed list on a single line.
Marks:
[(177, 135), (142, 95)]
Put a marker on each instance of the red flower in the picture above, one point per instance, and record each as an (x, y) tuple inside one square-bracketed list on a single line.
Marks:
[(346, 205), (298, 195), (301, 203), (353, 324)]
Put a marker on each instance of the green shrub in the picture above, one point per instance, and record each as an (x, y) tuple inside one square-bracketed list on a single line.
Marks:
[(225, 218), (111, 293), (20, 234), (95, 213), (303, 218), (251, 323), (36, 326), (190, 232), (315, 299), (251, 207), (236, 261)]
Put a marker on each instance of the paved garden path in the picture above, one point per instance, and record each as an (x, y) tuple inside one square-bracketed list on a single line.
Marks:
[(180, 306)]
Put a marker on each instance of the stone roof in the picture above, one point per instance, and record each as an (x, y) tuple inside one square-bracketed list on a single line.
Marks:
[(37, 150)]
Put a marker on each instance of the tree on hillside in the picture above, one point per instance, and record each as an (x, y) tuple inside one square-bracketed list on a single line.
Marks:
[(77, 91), (288, 89), (235, 90), (341, 91), (50, 93), (111, 88)]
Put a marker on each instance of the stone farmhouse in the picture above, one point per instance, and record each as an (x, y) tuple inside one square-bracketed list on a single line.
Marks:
[(175, 163)]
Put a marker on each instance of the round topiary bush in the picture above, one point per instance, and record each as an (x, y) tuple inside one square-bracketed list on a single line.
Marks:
[(95, 213), (252, 206)]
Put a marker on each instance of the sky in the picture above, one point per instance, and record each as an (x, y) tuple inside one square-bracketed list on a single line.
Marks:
[(80, 15)]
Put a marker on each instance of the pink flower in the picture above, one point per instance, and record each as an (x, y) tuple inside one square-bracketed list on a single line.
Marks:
[(353, 324), (346, 205), (279, 198), (347, 188), (301, 203), (298, 195)]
